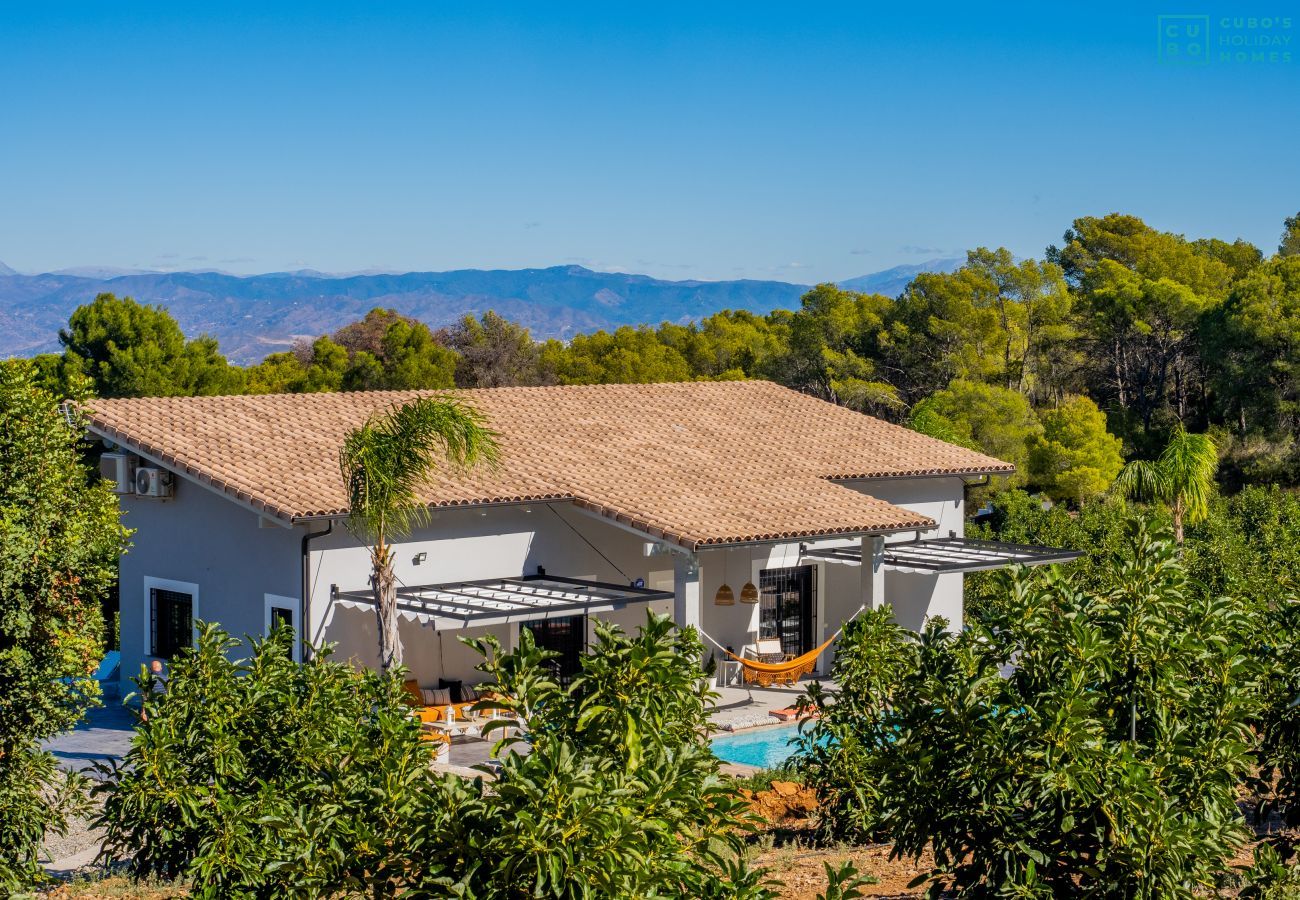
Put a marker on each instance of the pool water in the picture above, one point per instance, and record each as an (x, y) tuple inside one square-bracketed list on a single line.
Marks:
[(763, 747)]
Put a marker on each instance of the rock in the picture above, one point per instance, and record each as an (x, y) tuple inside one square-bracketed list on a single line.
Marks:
[(785, 788)]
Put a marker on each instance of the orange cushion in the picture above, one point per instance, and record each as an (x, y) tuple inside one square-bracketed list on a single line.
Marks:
[(411, 688)]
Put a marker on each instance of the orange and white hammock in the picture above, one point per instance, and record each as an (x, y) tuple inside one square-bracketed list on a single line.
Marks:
[(788, 672)]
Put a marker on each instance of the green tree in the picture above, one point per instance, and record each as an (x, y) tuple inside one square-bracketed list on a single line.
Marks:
[(727, 345), (1253, 344), (995, 420), (1075, 457), (60, 537), (266, 778), (1012, 751), (495, 352), (409, 357), (385, 463), (1290, 243), (626, 356), (925, 418), (1141, 296), (1036, 331), (1182, 478), (619, 794), (831, 343), (131, 350)]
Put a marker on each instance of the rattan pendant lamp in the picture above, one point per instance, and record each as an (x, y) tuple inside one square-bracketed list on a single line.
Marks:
[(725, 596)]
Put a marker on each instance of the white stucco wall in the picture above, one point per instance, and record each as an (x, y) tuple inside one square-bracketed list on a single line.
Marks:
[(469, 544), (916, 598), (217, 545), (203, 539)]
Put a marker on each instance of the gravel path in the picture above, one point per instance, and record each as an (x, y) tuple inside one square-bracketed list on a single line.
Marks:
[(65, 854)]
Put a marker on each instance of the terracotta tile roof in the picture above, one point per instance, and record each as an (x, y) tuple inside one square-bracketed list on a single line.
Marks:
[(697, 462)]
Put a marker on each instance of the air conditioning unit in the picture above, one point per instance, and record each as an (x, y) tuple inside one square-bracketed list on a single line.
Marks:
[(119, 469), (153, 482)]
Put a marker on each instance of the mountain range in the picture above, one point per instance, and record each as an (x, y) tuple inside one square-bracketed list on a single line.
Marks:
[(252, 315)]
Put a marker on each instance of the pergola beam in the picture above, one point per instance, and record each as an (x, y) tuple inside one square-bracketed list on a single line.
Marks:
[(531, 596), (951, 554)]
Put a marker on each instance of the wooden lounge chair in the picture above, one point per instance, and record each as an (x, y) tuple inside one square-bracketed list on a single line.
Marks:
[(768, 650)]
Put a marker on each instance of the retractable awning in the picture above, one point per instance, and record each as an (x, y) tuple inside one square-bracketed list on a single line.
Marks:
[(951, 554), (466, 604)]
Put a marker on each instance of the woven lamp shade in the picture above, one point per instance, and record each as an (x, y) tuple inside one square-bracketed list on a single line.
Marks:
[(749, 593), (724, 597)]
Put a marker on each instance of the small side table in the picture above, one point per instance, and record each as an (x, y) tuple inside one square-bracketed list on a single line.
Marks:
[(728, 672)]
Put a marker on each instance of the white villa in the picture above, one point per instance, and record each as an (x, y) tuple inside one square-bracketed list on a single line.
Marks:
[(609, 499)]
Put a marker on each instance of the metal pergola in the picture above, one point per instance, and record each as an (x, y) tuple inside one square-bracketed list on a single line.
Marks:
[(494, 601), (951, 554)]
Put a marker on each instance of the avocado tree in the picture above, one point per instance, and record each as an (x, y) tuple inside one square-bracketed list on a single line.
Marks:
[(60, 537), (1076, 741)]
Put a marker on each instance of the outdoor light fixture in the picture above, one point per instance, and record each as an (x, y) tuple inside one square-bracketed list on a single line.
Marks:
[(725, 595), (749, 593), (420, 557)]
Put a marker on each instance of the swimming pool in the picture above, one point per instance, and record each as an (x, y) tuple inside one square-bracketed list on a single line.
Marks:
[(763, 747)]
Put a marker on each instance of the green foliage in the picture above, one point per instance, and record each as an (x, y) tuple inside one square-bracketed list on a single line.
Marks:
[(266, 778), (627, 356), (59, 540), (1290, 243), (620, 795), (383, 351), (1271, 876), (495, 352), (844, 882), (1253, 342), (995, 420), (1076, 743), (387, 460), (727, 344), (127, 349), (1142, 295), (841, 755), (263, 777), (926, 419), (1182, 478), (1075, 457)]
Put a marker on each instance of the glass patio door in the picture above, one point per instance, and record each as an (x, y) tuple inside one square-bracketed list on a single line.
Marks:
[(566, 636), (786, 609)]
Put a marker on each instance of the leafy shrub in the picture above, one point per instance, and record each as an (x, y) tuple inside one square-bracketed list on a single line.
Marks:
[(267, 778), (620, 794), (59, 540), (1074, 742), (1272, 876), (841, 754), (264, 777)]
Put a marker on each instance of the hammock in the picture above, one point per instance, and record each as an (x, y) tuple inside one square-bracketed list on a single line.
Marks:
[(788, 672)]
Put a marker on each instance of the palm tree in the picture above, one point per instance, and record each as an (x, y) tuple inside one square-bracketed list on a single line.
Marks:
[(384, 464), (1182, 478)]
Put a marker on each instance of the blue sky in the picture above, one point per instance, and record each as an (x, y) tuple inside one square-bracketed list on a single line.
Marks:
[(803, 142)]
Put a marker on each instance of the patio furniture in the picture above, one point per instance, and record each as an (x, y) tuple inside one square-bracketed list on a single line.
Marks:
[(729, 672), (769, 650), (789, 669)]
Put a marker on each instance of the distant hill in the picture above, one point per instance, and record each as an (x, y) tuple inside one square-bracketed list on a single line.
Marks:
[(258, 314), (891, 282)]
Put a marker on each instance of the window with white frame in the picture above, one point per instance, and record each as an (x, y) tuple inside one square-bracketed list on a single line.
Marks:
[(283, 611), (172, 607)]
